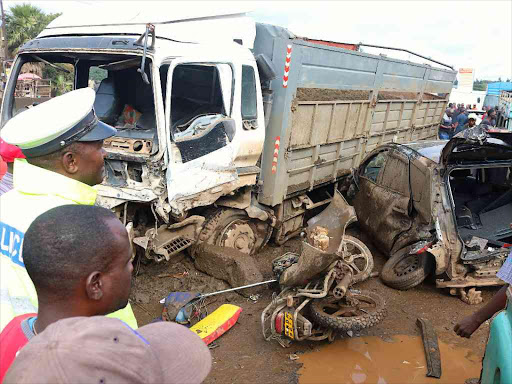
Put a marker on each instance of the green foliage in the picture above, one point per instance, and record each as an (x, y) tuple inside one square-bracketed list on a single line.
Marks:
[(62, 82), (24, 22), (481, 85), (62, 86), (97, 74)]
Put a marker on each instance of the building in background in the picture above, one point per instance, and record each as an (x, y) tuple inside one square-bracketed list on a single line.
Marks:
[(464, 92)]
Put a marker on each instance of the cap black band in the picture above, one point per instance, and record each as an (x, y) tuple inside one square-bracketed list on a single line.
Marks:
[(80, 129)]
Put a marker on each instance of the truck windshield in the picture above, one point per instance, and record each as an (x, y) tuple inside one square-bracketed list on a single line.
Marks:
[(37, 82), (123, 100)]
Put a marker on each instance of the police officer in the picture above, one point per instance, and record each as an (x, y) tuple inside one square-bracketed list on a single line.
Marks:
[(62, 140)]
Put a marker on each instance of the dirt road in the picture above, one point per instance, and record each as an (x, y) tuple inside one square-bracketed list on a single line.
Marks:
[(243, 356)]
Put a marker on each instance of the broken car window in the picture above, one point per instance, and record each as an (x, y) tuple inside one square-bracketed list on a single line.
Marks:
[(201, 95), (374, 166)]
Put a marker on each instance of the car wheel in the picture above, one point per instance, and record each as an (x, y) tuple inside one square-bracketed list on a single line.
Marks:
[(404, 271)]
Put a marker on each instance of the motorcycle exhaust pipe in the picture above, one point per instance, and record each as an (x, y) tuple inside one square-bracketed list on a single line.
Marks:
[(341, 289)]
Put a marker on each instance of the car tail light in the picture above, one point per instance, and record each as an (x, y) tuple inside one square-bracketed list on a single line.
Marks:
[(420, 248)]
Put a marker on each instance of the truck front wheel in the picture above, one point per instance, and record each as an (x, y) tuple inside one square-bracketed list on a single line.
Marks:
[(232, 228)]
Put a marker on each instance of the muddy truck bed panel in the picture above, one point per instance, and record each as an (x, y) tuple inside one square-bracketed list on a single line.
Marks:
[(331, 106)]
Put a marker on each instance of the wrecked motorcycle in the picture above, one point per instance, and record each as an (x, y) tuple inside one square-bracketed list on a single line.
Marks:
[(316, 300)]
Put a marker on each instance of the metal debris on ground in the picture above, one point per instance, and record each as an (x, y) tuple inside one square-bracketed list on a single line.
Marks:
[(293, 356), (238, 288), (432, 353), (350, 333)]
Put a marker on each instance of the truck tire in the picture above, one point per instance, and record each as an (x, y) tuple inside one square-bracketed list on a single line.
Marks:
[(362, 258), (404, 271), (373, 310), (232, 228)]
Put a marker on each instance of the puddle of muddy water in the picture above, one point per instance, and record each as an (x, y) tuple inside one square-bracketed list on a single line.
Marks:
[(372, 360)]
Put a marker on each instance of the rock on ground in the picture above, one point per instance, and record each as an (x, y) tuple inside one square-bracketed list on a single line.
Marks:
[(230, 265)]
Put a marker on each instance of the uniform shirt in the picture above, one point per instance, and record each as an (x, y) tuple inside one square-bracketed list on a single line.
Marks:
[(36, 190), (14, 337)]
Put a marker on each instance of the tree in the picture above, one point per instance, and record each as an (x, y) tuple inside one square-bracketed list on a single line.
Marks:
[(24, 22)]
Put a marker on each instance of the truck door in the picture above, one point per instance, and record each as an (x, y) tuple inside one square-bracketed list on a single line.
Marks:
[(382, 202), (201, 134)]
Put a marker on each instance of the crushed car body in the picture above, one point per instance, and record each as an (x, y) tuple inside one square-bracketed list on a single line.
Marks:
[(444, 206)]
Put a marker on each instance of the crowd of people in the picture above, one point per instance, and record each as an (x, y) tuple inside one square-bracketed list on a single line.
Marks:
[(458, 117)]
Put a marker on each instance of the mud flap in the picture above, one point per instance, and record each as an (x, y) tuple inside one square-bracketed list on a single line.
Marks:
[(432, 353)]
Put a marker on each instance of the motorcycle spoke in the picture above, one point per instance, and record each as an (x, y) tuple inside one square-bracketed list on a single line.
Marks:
[(353, 265)]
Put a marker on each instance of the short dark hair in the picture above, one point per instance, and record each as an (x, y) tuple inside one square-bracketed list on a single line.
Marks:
[(48, 161), (65, 244)]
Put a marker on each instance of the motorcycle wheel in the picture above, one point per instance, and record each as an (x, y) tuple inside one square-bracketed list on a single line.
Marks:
[(359, 258), (340, 315)]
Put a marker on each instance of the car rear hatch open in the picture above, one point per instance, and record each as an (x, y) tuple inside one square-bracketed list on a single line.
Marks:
[(477, 145)]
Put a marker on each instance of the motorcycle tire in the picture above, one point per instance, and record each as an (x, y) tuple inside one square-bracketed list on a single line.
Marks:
[(404, 271), (366, 318)]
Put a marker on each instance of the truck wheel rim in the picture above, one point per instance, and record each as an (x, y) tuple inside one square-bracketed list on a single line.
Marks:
[(238, 235)]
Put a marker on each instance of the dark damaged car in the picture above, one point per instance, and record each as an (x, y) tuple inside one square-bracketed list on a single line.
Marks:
[(438, 206)]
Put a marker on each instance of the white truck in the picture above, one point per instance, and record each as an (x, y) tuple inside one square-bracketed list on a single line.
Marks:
[(230, 131)]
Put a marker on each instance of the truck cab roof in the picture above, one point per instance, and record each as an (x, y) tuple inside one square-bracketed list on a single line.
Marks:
[(183, 24)]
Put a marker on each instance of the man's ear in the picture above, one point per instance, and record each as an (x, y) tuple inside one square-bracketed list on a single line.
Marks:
[(94, 286), (69, 162)]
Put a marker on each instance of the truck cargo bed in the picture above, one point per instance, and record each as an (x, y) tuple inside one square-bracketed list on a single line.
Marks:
[(331, 106)]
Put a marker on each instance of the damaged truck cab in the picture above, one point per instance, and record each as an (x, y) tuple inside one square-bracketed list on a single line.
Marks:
[(229, 131)]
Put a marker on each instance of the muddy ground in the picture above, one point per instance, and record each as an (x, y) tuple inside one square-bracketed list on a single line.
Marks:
[(243, 356)]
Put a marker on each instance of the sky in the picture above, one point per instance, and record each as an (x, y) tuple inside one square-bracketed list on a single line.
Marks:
[(464, 34)]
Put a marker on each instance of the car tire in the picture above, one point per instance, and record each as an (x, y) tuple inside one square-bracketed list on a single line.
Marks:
[(405, 271)]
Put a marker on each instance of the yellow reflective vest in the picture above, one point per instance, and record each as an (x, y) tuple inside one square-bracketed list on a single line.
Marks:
[(36, 190)]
